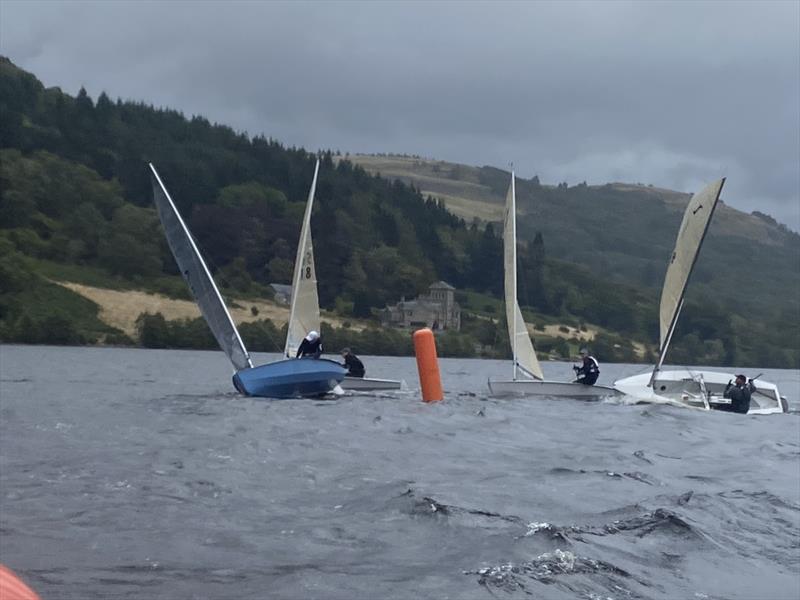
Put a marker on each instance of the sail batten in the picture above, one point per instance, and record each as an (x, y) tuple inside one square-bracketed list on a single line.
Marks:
[(523, 354), (694, 226), (304, 312), (198, 277)]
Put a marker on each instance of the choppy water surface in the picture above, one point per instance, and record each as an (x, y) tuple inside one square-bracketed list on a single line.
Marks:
[(141, 474)]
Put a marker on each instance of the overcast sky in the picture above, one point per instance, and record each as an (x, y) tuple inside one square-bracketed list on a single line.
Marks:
[(673, 94)]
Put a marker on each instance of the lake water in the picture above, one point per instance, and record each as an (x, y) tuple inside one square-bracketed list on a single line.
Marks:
[(131, 473)]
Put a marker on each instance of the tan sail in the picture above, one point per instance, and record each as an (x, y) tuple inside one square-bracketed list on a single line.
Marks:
[(693, 229), (304, 313), (521, 345)]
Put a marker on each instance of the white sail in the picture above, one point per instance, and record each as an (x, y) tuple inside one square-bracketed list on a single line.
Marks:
[(693, 230), (521, 346), (304, 313), (197, 275)]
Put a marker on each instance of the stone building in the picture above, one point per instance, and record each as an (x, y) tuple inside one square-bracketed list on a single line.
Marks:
[(437, 309), (283, 293)]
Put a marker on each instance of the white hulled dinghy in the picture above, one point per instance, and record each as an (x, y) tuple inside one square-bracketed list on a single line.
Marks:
[(689, 387), (527, 377), (281, 379)]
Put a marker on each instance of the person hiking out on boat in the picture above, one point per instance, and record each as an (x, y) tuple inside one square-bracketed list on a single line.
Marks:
[(311, 346), (589, 371), (739, 394), (354, 366)]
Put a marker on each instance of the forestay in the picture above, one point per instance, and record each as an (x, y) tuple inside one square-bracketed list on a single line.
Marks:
[(196, 274), (524, 355), (304, 313)]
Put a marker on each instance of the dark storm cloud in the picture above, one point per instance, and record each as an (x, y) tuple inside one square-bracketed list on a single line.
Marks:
[(674, 94)]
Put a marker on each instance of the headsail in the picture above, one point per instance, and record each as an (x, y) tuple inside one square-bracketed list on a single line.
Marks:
[(198, 277), (521, 346), (304, 313), (690, 238)]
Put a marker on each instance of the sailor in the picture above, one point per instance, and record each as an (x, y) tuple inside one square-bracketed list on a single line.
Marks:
[(589, 371), (311, 346), (355, 368), (739, 393)]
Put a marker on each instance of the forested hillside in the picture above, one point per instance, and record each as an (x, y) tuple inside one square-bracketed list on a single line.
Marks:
[(77, 206), (747, 273)]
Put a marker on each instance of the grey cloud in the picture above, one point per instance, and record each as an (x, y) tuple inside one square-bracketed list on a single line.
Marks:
[(669, 93)]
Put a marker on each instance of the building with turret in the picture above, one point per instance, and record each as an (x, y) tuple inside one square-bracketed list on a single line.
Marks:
[(437, 309)]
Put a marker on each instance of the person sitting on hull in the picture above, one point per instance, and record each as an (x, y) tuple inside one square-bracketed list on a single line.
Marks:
[(354, 366), (589, 371), (311, 347), (739, 394)]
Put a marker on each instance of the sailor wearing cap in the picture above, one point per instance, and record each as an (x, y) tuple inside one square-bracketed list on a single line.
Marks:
[(311, 346), (739, 394)]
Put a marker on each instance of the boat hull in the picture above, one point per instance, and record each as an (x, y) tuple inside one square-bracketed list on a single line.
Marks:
[(684, 387), (290, 378), (367, 384), (550, 389)]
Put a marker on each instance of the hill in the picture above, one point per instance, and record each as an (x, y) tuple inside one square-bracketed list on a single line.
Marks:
[(624, 232), (76, 207)]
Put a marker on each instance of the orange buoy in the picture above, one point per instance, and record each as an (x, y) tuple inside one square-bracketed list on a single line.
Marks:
[(428, 366), (13, 588)]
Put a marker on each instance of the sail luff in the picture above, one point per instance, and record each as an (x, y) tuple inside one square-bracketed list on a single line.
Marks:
[(198, 277), (304, 311), (524, 356), (692, 233), (663, 350)]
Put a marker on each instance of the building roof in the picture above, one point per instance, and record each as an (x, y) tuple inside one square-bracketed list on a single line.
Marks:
[(416, 305), (281, 288), (441, 285)]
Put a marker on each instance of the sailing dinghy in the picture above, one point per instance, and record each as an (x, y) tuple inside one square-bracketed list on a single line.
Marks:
[(288, 378), (304, 315), (689, 387), (527, 377)]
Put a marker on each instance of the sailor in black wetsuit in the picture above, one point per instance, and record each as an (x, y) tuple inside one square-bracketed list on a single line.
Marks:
[(589, 371), (311, 346), (739, 393), (355, 368)]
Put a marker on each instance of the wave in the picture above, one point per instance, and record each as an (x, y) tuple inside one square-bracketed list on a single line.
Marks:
[(424, 506), (553, 568)]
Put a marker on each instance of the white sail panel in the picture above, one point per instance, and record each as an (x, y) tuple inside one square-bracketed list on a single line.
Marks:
[(304, 313), (526, 356), (198, 277), (521, 345), (693, 229)]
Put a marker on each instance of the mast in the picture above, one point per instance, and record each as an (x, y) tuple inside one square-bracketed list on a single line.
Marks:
[(662, 352), (513, 216), (198, 277), (523, 355)]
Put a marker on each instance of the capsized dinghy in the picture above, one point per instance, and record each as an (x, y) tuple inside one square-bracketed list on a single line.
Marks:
[(688, 387)]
